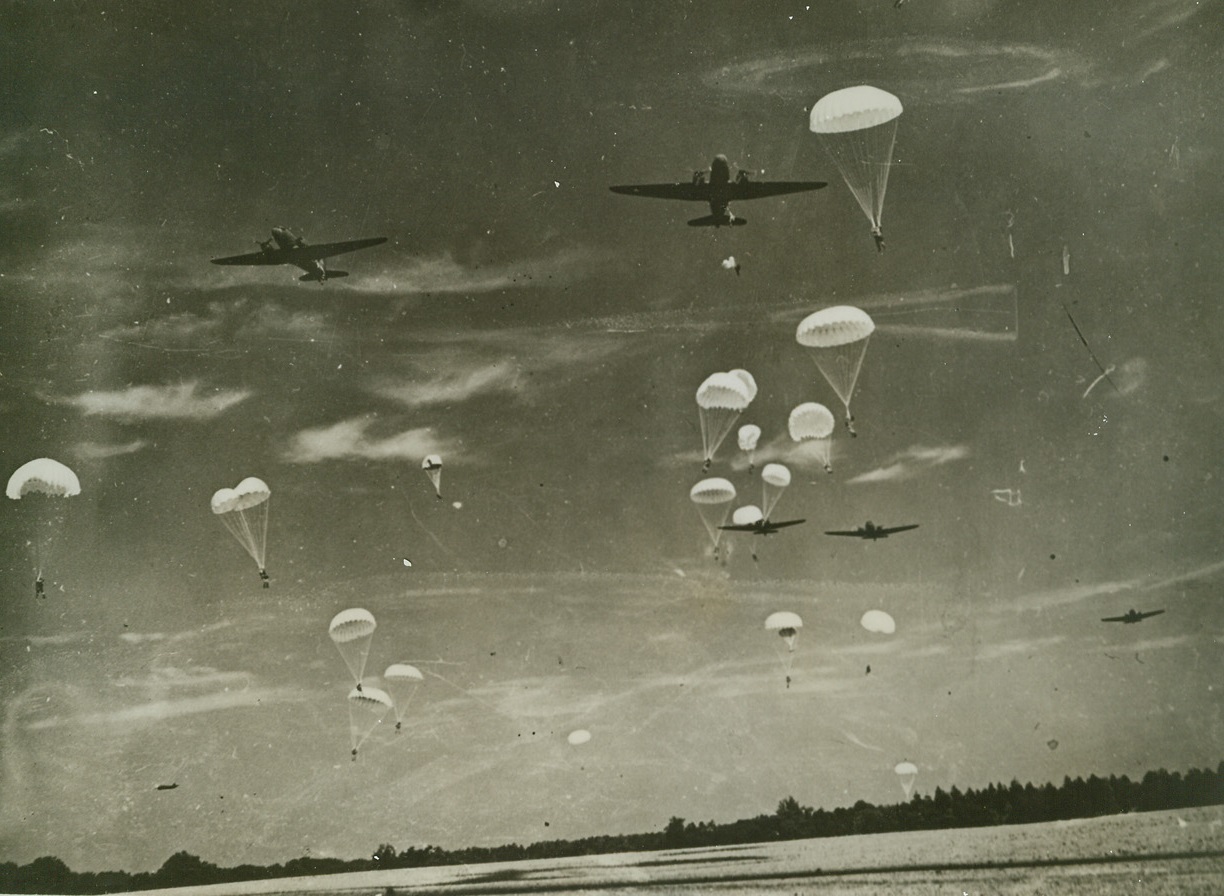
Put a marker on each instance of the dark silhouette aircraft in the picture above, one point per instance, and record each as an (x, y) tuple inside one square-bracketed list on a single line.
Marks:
[(1131, 616), (717, 188), (167, 786), (762, 527), (872, 531), (285, 248)]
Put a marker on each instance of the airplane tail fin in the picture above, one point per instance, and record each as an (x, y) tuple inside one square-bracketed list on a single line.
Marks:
[(331, 275), (717, 221)]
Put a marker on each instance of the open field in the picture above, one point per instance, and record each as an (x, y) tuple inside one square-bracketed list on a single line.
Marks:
[(1175, 852)]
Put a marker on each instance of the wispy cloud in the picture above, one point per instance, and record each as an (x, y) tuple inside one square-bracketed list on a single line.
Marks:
[(157, 710), (348, 440), (458, 384), (185, 401), (1080, 592), (912, 462), (1018, 646), (443, 274), (100, 451)]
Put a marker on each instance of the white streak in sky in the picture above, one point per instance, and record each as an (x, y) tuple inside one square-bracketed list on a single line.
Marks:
[(453, 385), (158, 710), (912, 462), (179, 402), (443, 274), (347, 440), (99, 451), (1051, 75)]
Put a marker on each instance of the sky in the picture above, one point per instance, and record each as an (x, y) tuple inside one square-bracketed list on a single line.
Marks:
[(1055, 169)]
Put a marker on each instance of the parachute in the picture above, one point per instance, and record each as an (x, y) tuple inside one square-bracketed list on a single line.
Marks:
[(749, 436), (243, 510), (879, 622), (906, 772), (858, 127), (351, 631), (721, 398), (579, 737), (774, 480), (713, 498), (813, 424), (787, 626), (39, 480), (400, 681), (367, 708), (838, 339), (432, 465), (746, 515)]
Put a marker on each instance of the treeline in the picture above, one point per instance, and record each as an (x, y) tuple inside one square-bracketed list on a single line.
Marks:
[(997, 804)]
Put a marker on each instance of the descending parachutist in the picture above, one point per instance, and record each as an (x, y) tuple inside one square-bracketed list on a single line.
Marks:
[(38, 586), (263, 575), (850, 427), (878, 235)]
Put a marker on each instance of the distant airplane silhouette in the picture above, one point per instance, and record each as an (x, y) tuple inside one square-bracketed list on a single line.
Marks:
[(762, 527), (872, 531), (285, 248), (718, 189), (1132, 616), (167, 786)]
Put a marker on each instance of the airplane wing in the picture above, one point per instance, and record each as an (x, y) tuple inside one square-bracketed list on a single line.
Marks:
[(758, 190), (746, 527), (1148, 613), (691, 192), (891, 529), (275, 256), (1113, 619), (327, 250), (785, 523)]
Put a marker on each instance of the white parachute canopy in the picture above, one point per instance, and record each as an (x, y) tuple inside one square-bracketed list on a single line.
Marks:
[(812, 424), (787, 626), (351, 631), (243, 510), (579, 737), (906, 772), (367, 708), (721, 398), (747, 515), (432, 465), (879, 622), (858, 127), (837, 337), (400, 681), (43, 476), (46, 479), (774, 480), (713, 499), (748, 437)]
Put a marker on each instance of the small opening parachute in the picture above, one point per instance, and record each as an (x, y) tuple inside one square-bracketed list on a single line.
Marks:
[(713, 498), (906, 773), (774, 480), (42, 483), (400, 681), (721, 398), (351, 631), (748, 437), (432, 467), (787, 625), (858, 127), (838, 337), (367, 708), (812, 424), (878, 622), (243, 510)]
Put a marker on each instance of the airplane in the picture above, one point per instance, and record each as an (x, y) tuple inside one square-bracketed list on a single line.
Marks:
[(285, 248), (762, 527), (717, 188), (873, 532), (167, 786), (1131, 616)]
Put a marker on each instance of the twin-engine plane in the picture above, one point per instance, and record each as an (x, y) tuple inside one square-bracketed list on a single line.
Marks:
[(1132, 616), (717, 188), (286, 248), (762, 527), (872, 531)]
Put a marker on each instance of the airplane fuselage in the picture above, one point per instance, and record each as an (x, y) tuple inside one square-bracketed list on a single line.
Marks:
[(287, 243)]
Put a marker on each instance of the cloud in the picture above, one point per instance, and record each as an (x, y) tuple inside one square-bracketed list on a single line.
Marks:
[(158, 710), (347, 440), (99, 451), (935, 71), (443, 274), (179, 402), (460, 384), (1022, 645), (912, 462), (1076, 593)]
